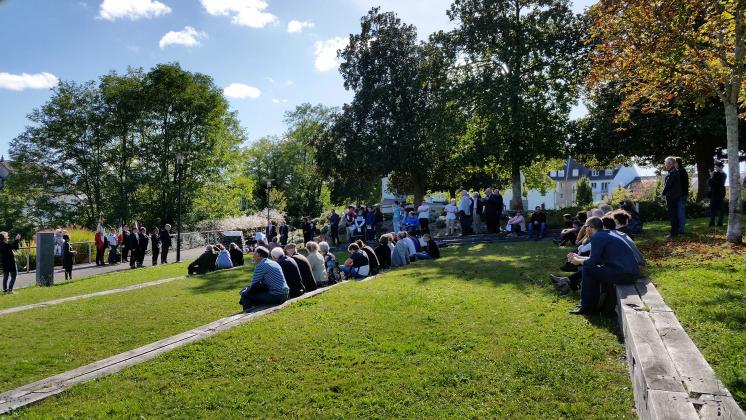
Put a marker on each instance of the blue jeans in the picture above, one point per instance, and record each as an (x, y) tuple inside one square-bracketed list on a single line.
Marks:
[(682, 212), (12, 275), (397, 226), (542, 228), (350, 272), (593, 278), (423, 256), (250, 300)]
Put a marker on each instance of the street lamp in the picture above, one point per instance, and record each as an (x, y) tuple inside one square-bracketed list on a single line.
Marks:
[(269, 186), (179, 171)]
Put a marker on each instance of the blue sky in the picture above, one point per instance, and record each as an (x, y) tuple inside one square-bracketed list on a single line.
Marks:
[(270, 64)]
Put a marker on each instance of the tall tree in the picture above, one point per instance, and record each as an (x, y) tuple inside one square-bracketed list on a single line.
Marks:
[(520, 64), (674, 52)]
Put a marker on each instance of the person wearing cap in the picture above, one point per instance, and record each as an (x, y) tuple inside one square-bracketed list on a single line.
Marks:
[(716, 185), (268, 285)]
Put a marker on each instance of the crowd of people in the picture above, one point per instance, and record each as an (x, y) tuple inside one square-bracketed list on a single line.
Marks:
[(130, 244), (283, 273), (605, 254)]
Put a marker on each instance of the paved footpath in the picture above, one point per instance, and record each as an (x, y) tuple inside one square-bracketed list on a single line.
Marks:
[(86, 270)]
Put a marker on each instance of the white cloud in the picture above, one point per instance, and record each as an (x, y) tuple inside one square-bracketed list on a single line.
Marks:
[(19, 82), (243, 12), (132, 9), (279, 101), (326, 53), (188, 37), (241, 91), (298, 26)]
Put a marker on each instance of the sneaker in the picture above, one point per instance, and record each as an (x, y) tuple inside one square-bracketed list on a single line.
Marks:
[(557, 279), (9, 292), (567, 266)]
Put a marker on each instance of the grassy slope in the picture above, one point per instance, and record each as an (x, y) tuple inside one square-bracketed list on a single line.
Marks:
[(97, 283), (704, 282), (479, 333)]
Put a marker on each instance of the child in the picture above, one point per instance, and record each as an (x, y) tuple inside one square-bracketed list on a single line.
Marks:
[(68, 257)]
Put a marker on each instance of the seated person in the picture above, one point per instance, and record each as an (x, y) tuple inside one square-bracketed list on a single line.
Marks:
[(306, 273), (410, 240), (223, 260), (432, 247), (537, 223), (571, 229), (375, 266), (290, 271), (400, 253), (516, 224), (621, 218), (611, 261), (268, 284), (236, 255), (316, 260), (411, 222), (634, 225), (419, 252), (330, 262), (357, 265), (383, 252), (204, 263)]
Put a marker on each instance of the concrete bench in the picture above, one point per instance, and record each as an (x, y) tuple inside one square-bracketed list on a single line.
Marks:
[(671, 379)]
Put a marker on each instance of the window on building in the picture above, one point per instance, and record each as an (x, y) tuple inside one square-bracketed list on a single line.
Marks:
[(560, 174), (553, 173), (609, 172), (593, 185), (594, 172), (575, 172), (604, 186)]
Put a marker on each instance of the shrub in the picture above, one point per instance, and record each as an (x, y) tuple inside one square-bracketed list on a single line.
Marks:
[(584, 194)]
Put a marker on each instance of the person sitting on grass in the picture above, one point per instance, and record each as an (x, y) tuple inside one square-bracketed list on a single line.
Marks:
[(268, 285), (611, 261), (383, 252), (236, 255), (621, 218), (357, 265), (330, 261), (432, 247), (375, 265), (204, 263), (537, 223), (316, 260), (572, 227), (410, 240), (400, 253), (516, 224), (290, 271), (306, 273), (223, 260)]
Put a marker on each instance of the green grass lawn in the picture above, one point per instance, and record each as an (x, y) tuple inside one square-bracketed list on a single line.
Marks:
[(479, 333), (704, 282), (97, 283)]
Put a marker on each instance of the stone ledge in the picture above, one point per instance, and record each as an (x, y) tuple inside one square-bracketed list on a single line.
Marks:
[(670, 377)]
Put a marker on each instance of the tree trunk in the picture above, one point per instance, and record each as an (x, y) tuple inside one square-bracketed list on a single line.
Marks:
[(735, 230), (703, 157), (516, 202), (418, 188)]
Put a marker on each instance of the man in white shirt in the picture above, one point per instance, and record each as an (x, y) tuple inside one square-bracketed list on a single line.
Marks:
[(465, 213), (451, 211)]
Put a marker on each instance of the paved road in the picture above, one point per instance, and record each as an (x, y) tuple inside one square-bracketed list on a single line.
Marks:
[(86, 270)]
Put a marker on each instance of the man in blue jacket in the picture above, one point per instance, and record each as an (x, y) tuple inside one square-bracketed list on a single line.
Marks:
[(611, 261)]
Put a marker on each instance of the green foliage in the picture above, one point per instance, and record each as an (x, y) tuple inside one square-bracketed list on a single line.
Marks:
[(618, 195), (111, 147), (584, 193)]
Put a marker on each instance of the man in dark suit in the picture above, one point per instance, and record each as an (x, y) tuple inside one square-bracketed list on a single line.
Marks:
[(165, 243), (132, 243), (612, 261), (204, 263), (309, 283), (284, 231), (142, 246), (490, 210), (716, 184), (271, 231), (334, 220), (291, 272), (672, 193)]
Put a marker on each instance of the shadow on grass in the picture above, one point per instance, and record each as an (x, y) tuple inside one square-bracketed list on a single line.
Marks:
[(222, 281)]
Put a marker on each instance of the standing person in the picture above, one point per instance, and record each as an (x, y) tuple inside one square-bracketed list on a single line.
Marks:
[(8, 260), (132, 244), (451, 211), (370, 225), (500, 206), (672, 194), (334, 228), (268, 285), (155, 245), (476, 211), (271, 230), (306, 227), (165, 243), (490, 210), (126, 242), (350, 222), (716, 184), (68, 257), (100, 239), (379, 220), (398, 214), (423, 215), (360, 223), (684, 193), (142, 247), (284, 231), (113, 243), (464, 208)]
